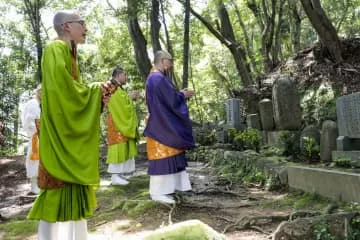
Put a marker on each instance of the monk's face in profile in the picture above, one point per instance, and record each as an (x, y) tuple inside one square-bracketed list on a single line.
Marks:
[(167, 64), (121, 78), (76, 27)]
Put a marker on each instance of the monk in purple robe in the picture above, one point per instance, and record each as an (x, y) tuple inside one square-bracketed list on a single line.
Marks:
[(168, 132)]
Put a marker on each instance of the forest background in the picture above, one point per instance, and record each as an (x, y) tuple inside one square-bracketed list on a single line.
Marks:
[(221, 48)]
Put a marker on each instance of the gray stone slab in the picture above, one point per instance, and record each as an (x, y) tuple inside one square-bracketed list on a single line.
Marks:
[(344, 143), (266, 114), (328, 183), (253, 121), (286, 104), (273, 138), (233, 113), (353, 155), (348, 115), (329, 133)]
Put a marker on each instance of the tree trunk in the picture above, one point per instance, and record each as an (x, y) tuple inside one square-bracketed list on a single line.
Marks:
[(235, 47), (138, 39), (32, 10), (168, 42), (155, 26), (267, 35), (246, 38), (295, 26), (185, 78), (324, 28), (276, 56)]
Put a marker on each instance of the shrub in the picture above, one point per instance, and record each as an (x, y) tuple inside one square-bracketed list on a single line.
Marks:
[(248, 139)]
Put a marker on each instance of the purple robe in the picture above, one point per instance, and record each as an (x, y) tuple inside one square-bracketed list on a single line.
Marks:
[(168, 123)]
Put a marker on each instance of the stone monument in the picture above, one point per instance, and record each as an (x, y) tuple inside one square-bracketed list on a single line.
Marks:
[(233, 114), (348, 117)]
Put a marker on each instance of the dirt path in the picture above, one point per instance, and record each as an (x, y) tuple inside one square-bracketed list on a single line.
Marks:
[(216, 205)]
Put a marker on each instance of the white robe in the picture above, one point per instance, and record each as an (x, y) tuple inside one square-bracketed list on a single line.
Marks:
[(30, 113)]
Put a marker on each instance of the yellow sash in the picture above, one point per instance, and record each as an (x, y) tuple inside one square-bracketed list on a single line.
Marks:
[(114, 136), (156, 150)]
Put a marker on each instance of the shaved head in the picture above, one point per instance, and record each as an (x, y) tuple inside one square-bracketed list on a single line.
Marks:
[(64, 16), (160, 55)]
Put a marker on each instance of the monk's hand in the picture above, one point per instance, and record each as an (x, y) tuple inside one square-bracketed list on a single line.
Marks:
[(107, 90), (134, 95), (188, 93)]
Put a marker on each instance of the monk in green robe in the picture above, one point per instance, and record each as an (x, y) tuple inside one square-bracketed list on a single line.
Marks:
[(122, 126), (69, 136)]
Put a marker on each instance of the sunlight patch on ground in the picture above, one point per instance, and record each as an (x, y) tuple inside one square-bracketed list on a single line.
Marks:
[(118, 230), (105, 183)]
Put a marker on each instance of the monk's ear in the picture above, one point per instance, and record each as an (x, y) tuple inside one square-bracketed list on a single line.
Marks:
[(66, 26)]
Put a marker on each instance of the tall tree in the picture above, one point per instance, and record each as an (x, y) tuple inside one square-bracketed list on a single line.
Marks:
[(226, 36), (186, 45), (248, 47), (168, 42), (324, 28), (265, 14), (295, 24), (32, 11), (155, 25), (138, 39)]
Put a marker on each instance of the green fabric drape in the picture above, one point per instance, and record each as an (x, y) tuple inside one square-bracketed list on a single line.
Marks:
[(71, 202), (122, 111), (70, 120)]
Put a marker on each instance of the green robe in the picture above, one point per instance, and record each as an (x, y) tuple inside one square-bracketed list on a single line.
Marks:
[(123, 113), (69, 138)]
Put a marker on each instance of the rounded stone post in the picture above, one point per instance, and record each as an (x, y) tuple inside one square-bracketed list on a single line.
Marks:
[(329, 134), (266, 114)]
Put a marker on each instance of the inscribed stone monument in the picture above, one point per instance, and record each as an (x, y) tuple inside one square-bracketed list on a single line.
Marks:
[(286, 103), (233, 116), (266, 114)]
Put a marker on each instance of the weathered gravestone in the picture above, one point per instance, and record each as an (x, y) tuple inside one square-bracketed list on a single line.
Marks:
[(233, 114), (348, 116), (266, 114), (286, 103), (329, 133), (253, 121)]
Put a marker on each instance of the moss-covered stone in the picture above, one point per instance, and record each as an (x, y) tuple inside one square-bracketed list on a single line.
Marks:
[(188, 230)]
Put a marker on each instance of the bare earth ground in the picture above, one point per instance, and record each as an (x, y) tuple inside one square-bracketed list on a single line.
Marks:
[(210, 202)]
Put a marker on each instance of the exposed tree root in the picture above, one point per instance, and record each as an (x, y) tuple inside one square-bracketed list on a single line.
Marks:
[(197, 205), (214, 190), (251, 222)]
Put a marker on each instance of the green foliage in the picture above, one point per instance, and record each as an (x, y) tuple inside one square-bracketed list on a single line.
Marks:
[(289, 143), (312, 149), (322, 232), (344, 162), (355, 228), (231, 134), (248, 139), (256, 177), (318, 104)]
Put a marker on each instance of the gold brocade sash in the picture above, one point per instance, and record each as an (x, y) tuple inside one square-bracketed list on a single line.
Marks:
[(156, 150), (34, 155), (45, 181), (114, 136)]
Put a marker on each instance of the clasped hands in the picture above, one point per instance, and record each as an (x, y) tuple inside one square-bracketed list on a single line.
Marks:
[(108, 88), (188, 93)]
